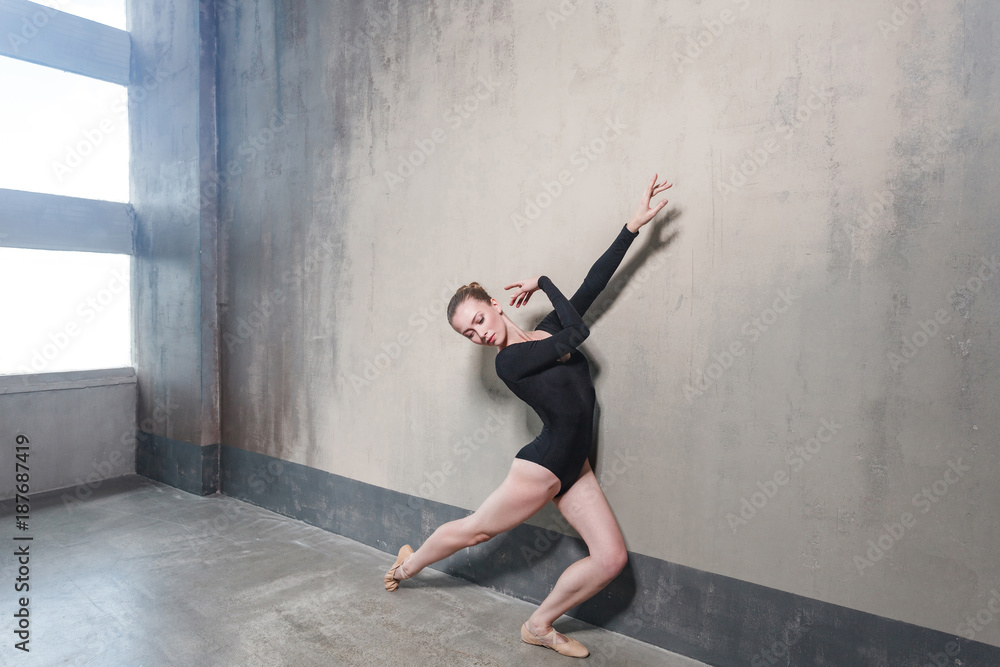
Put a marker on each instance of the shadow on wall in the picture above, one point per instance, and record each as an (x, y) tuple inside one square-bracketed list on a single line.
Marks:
[(541, 559), (657, 242), (659, 237)]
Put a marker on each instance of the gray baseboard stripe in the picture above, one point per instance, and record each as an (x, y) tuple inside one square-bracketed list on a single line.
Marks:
[(189, 467), (713, 618)]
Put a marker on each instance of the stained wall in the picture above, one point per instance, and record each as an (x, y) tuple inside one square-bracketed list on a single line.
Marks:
[(798, 371)]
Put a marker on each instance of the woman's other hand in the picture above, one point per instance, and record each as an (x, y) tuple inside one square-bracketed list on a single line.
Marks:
[(644, 213), (524, 290)]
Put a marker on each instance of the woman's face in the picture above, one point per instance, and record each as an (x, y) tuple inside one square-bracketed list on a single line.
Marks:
[(480, 322)]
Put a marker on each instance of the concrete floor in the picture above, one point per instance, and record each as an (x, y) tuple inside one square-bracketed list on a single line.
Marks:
[(140, 573)]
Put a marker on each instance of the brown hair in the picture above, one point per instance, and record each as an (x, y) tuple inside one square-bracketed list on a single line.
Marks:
[(471, 291)]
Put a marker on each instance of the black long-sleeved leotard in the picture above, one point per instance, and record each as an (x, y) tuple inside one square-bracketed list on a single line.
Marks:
[(561, 393)]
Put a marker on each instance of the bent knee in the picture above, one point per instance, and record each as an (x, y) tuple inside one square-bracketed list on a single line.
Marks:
[(479, 538), (476, 531), (612, 562)]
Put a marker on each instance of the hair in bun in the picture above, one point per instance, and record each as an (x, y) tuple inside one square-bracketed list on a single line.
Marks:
[(471, 291)]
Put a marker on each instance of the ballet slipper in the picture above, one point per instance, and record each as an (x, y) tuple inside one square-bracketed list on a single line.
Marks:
[(570, 647), (391, 583), (402, 565)]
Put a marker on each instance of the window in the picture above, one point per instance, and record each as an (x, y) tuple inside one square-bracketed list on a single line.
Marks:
[(65, 226), (63, 311), (63, 133), (108, 12)]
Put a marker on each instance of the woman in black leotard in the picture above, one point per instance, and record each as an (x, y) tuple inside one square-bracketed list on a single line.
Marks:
[(544, 368)]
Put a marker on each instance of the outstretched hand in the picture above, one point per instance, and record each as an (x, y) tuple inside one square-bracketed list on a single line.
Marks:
[(523, 293), (644, 213)]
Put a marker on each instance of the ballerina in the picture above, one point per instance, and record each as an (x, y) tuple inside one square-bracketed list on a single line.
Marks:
[(545, 369)]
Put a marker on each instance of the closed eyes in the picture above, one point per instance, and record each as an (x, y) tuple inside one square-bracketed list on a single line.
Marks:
[(481, 318)]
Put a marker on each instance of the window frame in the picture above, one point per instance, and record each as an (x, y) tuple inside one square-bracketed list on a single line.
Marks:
[(46, 36)]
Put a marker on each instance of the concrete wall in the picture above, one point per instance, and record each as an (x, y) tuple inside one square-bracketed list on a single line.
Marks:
[(80, 429), (807, 347), (172, 148)]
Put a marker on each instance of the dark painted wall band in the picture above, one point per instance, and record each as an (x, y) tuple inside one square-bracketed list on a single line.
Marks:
[(710, 617), (189, 467)]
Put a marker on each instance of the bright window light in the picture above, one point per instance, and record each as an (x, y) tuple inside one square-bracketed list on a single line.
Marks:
[(63, 133), (64, 311), (108, 12)]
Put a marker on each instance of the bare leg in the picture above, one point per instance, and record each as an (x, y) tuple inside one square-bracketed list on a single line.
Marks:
[(525, 490), (587, 510)]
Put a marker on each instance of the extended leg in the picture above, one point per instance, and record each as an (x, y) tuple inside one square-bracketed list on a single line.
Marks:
[(525, 490), (587, 510)]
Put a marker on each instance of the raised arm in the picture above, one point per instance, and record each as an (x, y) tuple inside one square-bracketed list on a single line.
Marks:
[(595, 282), (533, 356)]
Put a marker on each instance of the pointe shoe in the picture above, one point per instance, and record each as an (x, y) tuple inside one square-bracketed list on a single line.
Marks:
[(391, 583), (571, 647)]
